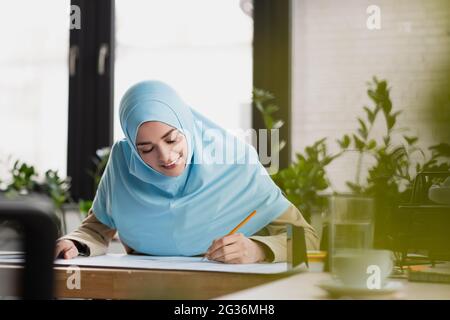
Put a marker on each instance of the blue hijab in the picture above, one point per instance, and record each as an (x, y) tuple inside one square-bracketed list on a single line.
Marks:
[(161, 215)]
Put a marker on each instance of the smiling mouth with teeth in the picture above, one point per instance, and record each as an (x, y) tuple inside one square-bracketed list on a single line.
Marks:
[(172, 164)]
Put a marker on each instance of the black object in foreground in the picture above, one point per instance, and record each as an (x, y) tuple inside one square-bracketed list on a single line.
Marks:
[(40, 232)]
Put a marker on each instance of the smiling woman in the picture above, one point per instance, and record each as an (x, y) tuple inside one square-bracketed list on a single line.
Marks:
[(163, 201), (167, 154)]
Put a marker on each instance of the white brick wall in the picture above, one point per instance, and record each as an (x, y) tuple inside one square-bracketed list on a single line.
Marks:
[(334, 55)]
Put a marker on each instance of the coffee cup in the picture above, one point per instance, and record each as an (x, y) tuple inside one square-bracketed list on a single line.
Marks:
[(362, 268)]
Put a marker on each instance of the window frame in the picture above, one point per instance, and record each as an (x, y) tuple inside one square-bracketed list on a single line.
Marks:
[(91, 104), (272, 64)]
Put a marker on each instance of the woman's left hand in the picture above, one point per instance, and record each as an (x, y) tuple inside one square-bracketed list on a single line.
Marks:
[(235, 248)]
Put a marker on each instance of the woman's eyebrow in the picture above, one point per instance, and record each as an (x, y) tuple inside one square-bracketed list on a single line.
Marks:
[(149, 142)]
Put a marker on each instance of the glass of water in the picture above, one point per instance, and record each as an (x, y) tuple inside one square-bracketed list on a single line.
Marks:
[(351, 228)]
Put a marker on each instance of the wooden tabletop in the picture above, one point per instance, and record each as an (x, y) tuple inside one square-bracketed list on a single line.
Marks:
[(120, 283)]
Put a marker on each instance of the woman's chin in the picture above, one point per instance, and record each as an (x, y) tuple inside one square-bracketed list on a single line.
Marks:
[(172, 174)]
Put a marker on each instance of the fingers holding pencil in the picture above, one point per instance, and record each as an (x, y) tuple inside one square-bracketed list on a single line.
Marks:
[(222, 242), (235, 248)]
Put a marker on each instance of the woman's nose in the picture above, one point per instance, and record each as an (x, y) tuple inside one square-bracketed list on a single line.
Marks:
[(164, 155)]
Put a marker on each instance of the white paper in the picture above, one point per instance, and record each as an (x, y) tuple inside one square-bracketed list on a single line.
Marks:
[(171, 263)]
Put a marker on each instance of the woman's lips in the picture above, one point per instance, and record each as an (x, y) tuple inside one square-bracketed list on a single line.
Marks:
[(173, 164)]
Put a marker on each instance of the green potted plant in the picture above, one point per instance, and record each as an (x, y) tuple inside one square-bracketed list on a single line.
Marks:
[(305, 181), (396, 158), (24, 184)]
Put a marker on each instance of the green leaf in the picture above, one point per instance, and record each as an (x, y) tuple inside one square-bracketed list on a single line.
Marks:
[(262, 95), (268, 121), (359, 144), (84, 205), (271, 108), (370, 114), (387, 140), (327, 160), (386, 105), (344, 142), (372, 144), (318, 143), (399, 153), (362, 129), (390, 122)]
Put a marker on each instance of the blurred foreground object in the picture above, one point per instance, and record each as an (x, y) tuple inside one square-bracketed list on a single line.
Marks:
[(39, 233)]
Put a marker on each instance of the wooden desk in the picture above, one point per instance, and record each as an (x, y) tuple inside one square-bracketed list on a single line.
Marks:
[(111, 283), (304, 287), (115, 283)]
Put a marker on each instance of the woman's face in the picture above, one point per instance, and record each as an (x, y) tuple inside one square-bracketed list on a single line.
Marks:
[(162, 147)]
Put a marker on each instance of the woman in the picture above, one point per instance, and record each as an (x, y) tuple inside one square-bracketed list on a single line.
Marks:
[(178, 183)]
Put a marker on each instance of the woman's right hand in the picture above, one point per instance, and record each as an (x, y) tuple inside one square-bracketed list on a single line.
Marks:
[(66, 249)]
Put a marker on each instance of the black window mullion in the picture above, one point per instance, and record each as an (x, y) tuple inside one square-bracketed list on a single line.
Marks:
[(272, 63), (90, 94), (105, 81)]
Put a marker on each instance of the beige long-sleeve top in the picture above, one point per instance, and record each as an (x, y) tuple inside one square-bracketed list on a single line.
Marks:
[(96, 236)]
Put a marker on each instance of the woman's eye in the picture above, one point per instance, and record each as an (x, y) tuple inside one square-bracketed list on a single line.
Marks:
[(147, 151), (173, 139)]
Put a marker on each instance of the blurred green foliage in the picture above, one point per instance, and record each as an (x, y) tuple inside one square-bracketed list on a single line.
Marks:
[(24, 180), (264, 102), (306, 177), (100, 161), (395, 156)]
